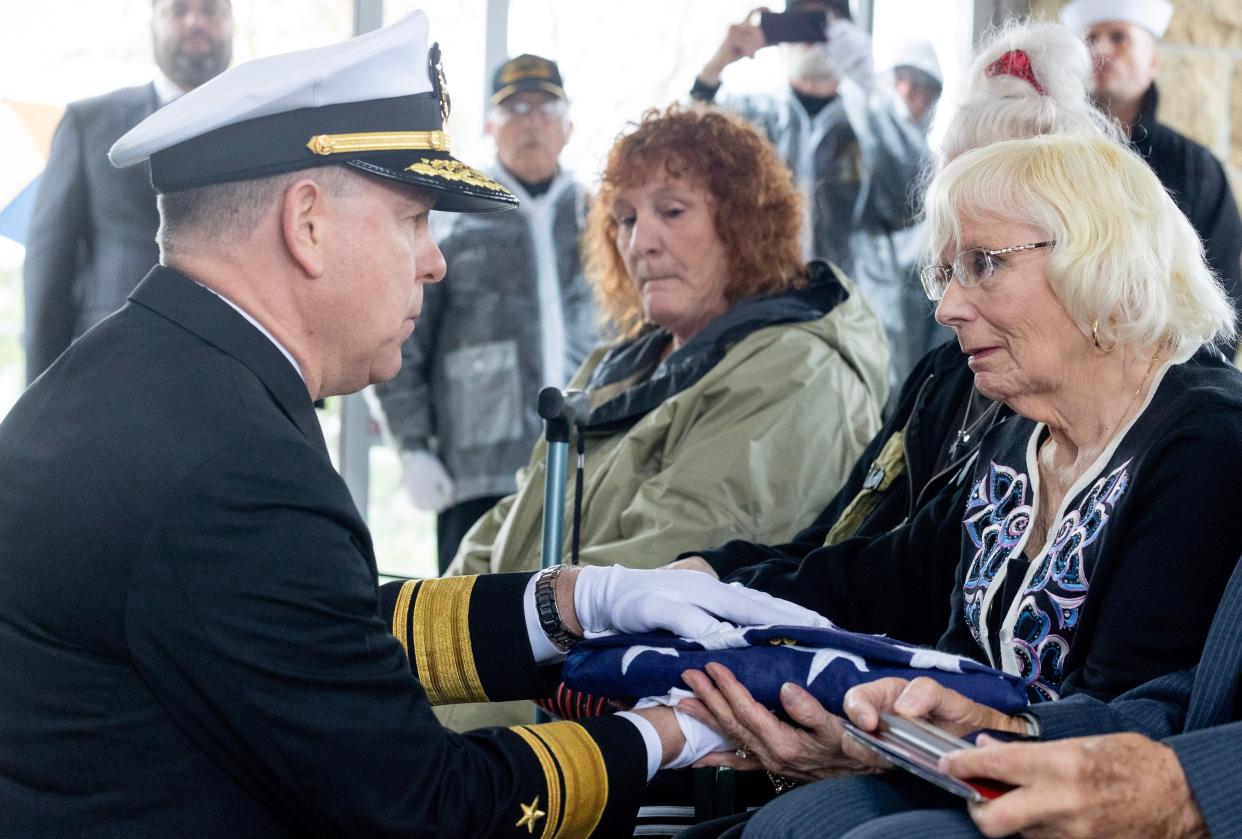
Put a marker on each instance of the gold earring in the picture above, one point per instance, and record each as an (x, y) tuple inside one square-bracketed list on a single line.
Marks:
[(1095, 339)]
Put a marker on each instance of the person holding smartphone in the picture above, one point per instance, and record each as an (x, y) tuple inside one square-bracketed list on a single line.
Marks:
[(854, 147), (808, 123)]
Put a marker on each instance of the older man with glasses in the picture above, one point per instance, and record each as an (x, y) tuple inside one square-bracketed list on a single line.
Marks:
[(516, 316)]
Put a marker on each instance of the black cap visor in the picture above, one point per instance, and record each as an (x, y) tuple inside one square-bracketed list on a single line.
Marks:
[(539, 85), (460, 188)]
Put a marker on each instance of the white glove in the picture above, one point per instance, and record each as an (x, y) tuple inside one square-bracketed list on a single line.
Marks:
[(689, 604), (430, 488), (701, 739)]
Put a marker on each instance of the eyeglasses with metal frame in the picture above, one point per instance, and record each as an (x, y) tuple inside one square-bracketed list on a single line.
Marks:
[(970, 268), (519, 108)]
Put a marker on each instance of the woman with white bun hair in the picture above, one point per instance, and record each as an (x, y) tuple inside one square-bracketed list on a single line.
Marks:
[(1027, 80)]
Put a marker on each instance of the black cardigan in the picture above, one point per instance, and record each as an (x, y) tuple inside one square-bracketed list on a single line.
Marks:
[(1154, 571)]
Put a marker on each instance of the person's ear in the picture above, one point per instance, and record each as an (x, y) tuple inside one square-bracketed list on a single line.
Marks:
[(304, 222), (489, 126)]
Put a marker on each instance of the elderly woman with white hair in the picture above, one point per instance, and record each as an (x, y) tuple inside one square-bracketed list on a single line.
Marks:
[(1099, 524), (1027, 80)]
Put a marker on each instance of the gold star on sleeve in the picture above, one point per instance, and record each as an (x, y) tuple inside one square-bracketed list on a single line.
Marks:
[(530, 814)]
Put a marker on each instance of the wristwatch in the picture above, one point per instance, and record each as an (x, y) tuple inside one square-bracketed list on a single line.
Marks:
[(549, 615)]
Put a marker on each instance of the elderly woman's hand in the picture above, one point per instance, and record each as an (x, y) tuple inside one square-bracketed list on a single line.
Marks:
[(924, 699), (807, 752)]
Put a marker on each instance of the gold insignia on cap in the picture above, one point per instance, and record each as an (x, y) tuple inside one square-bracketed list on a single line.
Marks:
[(439, 83), (530, 814), (324, 144), (453, 170), (526, 68)]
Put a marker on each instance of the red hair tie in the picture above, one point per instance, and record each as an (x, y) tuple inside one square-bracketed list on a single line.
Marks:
[(1015, 63)]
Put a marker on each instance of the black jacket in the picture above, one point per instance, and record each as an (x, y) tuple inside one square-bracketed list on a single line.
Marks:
[(92, 232), (1155, 552), (1136, 559), (192, 642), (657, 378), (895, 477), (1197, 182)]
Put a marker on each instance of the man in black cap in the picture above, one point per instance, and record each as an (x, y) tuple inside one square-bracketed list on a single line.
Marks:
[(92, 234), (192, 638), (516, 315)]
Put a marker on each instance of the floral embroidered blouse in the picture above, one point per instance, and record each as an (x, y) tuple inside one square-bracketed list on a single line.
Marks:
[(1125, 585)]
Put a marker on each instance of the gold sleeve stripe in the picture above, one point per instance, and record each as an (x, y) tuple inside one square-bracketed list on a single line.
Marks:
[(441, 640), (551, 777), (582, 773), (401, 615)]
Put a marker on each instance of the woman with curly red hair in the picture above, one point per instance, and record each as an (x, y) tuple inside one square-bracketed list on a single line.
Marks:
[(754, 210), (736, 360)]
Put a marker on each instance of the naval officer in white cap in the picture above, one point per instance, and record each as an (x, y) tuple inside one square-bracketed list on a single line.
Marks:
[(1123, 35), (192, 639)]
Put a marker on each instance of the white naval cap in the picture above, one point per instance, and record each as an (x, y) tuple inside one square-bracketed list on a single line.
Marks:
[(376, 103), (1152, 15)]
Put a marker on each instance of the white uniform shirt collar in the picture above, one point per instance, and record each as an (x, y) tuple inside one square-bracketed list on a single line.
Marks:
[(166, 90), (261, 328), (540, 214)]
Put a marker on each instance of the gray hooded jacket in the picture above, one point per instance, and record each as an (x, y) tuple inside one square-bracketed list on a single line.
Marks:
[(513, 314)]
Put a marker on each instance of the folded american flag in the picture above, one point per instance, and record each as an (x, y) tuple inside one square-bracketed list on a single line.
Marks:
[(827, 662)]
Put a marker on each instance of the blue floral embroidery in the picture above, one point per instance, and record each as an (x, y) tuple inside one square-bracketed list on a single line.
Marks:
[(1052, 602), (997, 515)]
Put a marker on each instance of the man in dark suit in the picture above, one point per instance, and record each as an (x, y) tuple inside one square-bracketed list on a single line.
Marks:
[(193, 641), (92, 233)]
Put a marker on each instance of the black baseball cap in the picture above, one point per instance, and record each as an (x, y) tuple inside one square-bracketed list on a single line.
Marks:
[(841, 7), (527, 72)]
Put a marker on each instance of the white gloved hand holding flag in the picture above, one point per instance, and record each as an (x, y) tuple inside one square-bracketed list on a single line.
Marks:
[(689, 604)]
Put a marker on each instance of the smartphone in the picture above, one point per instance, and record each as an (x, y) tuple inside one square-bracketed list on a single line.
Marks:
[(917, 747), (794, 27)]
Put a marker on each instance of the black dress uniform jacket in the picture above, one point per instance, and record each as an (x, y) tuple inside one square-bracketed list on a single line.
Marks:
[(92, 233), (192, 641), (1197, 182)]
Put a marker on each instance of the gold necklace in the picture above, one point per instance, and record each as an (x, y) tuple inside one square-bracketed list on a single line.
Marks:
[(1133, 399)]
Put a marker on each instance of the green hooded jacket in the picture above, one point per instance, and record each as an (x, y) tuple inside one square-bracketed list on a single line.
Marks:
[(747, 431)]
